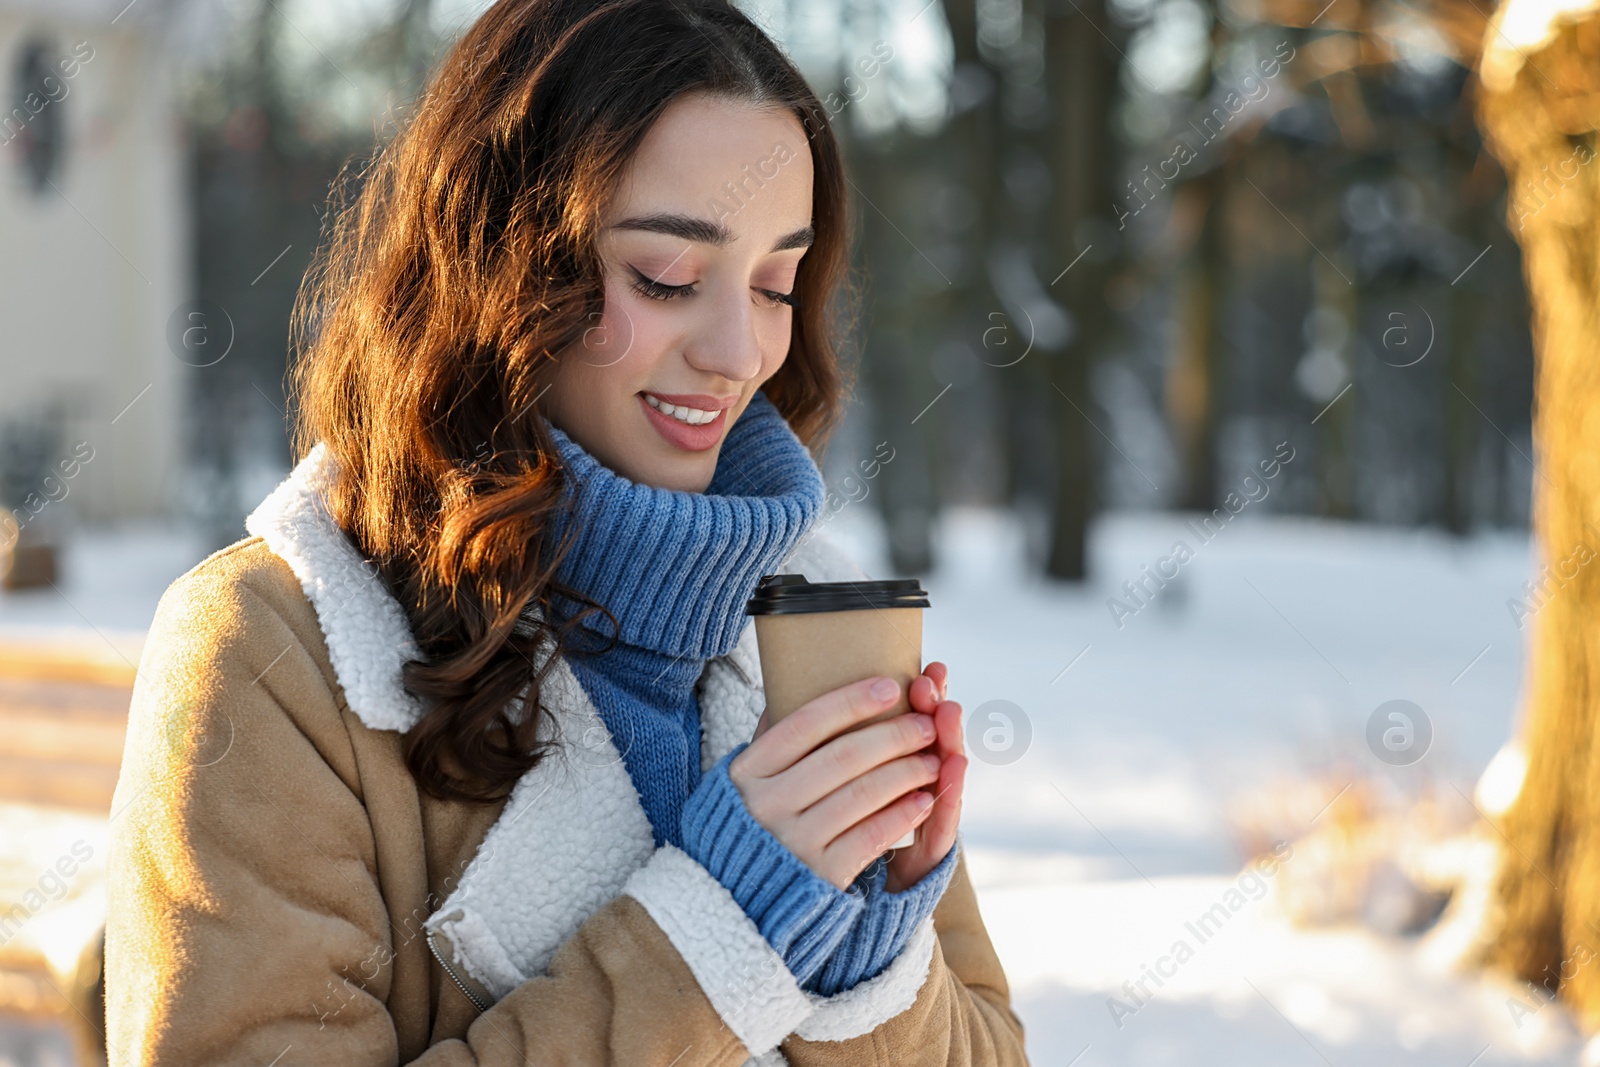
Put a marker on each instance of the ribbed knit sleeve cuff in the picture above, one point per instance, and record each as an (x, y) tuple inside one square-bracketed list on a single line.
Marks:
[(885, 925), (802, 915)]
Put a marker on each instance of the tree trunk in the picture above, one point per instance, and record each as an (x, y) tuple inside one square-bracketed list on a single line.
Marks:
[(1194, 383), (1462, 424), (880, 168), (981, 144), (1082, 73), (1540, 121)]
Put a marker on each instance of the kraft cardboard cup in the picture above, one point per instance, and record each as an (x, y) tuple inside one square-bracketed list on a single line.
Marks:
[(814, 637)]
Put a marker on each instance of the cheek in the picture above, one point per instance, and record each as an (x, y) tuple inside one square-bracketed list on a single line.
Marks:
[(630, 336), (597, 365), (773, 336), (610, 336)]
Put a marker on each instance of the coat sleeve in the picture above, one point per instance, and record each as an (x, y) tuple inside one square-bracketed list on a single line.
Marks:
[(244, 891), (944, 1000)]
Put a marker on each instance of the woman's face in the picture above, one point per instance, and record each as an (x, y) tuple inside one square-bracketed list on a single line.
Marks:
[(699, 247)]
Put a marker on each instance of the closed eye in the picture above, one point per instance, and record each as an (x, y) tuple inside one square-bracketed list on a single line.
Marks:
[(647, 286)]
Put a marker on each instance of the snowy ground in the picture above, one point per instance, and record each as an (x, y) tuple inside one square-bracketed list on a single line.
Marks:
[(110, 583), (1104, 799), (1250, 689)]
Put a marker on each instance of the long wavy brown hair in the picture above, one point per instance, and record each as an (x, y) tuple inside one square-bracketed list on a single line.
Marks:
[(459, 263)]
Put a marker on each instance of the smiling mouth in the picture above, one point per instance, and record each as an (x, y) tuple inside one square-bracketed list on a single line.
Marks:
[(693, 429), (683, 413)]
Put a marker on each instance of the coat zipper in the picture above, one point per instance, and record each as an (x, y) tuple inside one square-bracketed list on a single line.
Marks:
[(451, 971)]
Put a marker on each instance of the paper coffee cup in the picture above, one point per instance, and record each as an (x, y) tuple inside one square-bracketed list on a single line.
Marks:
[(814, 637)]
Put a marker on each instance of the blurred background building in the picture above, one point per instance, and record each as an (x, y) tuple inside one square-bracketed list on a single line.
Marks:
[(95, 190)]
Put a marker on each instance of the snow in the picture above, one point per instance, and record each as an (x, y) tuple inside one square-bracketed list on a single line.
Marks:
[(1249, 690), (52, 867), (1259, 991), (1289, 634), (108, 586), (1235, 704)]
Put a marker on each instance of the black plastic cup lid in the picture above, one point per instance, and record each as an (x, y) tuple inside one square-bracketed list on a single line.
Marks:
[(791, 594)]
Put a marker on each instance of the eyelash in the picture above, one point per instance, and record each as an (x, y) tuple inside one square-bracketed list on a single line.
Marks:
[(654, 290)]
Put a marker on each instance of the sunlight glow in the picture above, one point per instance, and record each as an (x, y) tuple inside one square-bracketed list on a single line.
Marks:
[(1520, 29)]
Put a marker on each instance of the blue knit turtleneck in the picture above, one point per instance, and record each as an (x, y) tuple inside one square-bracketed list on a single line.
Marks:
[(676, 569)]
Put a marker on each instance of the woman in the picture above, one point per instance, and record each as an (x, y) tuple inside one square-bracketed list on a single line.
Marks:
[(460, 757)]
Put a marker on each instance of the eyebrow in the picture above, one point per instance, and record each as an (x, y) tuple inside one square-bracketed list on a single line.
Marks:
[(705, 231)]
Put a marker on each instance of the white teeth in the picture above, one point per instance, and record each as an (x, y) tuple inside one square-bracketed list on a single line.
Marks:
[(692, 416)]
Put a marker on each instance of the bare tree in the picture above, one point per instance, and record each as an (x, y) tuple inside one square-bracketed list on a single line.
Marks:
[(1540, 112), (1081, 69)]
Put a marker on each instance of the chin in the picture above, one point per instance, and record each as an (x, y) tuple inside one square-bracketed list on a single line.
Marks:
[(660, 464), (689, 476), (694, 481)]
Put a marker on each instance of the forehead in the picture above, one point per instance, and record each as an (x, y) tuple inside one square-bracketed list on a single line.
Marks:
[(720, 158)]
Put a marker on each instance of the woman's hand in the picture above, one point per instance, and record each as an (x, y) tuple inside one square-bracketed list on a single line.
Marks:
[(938, 833), (836, 794), (833, 791)]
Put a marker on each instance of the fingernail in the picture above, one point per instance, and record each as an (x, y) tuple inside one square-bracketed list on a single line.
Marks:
[(923, 800), (925, 726), (885, 688), (931, 762)]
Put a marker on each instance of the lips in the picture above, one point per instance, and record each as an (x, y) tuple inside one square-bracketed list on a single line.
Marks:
[(690, 438), (692, 414)]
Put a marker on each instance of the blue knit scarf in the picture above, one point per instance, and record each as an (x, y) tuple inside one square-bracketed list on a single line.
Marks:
[(676, 569)]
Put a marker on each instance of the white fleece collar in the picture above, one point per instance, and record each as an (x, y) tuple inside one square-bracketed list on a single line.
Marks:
[(368, 637), (573, 834)]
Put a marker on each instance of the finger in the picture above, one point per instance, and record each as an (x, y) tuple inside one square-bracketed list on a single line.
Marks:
[(812, 724), (852, 760), (939, 832), (948, 743), (947, 726), (871, 837), (941, 675), (924, 694), (820, 826)]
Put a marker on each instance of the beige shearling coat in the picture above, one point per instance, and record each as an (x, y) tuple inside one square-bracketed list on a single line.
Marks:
[(281, 893)]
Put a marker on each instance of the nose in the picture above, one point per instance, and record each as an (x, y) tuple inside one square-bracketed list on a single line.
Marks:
[(725, 342)]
